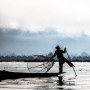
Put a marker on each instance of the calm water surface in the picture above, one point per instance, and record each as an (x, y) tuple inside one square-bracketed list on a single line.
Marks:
[(67, 81)]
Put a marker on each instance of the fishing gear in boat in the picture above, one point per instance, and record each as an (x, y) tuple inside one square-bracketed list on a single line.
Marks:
[(40, 67)]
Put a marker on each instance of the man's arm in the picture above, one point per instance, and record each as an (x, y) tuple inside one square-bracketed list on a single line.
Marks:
[(54, 54), (64, 50)]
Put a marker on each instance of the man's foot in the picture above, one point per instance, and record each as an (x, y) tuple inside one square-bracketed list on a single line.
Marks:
[(61, 72)]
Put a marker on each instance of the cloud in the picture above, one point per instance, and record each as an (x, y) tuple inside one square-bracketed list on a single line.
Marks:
[(68, 17), (28, 43), (37, 26), (20, 33)]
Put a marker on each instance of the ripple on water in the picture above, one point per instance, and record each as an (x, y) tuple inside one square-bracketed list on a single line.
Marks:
[(65, 82)]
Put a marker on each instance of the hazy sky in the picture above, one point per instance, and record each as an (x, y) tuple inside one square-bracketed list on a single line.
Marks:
[(30, 43), (38, 25), (70, 17)]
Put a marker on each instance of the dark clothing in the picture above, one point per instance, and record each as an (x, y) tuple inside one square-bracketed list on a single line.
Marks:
[(59, 53), (62, 59)]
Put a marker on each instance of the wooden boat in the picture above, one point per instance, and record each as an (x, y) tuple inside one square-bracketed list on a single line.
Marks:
[(40, 69), (15, 75)]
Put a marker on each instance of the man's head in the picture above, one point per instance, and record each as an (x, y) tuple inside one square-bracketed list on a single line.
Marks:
[(57, 47)]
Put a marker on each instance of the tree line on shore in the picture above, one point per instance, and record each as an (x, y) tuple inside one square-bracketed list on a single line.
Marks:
[(41, 58)]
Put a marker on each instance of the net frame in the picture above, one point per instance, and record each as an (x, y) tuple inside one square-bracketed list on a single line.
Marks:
[(46, 65)]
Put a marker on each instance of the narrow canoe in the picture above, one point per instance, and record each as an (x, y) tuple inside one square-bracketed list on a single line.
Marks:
[(15, 75)]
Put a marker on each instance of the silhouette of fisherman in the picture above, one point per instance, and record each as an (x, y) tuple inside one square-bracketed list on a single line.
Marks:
[(59, 53)]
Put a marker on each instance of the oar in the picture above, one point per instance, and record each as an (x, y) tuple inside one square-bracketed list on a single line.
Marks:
[(70, 61)]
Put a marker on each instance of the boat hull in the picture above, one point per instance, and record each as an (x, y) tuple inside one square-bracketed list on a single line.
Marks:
[(14, 75)]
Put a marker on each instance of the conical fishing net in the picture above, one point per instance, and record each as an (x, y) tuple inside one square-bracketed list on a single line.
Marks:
[(40, 67), (27, 67)]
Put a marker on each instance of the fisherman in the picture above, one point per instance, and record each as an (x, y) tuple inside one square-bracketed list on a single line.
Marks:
[(59, 53)]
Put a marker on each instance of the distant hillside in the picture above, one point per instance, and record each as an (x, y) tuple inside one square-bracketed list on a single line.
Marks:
[(23, 42), (85, 57)]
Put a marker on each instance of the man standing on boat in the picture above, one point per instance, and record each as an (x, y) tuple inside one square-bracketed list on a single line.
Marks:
[(59, 53)]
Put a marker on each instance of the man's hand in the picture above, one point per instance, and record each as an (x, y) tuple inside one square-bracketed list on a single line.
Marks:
[(65, 49)]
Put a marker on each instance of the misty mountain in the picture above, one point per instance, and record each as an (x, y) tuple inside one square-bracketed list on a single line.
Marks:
[(23, 42), (50, 54), (84, 54)]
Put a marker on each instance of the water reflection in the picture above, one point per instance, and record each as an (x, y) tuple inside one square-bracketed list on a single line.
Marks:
[(49, 83), (63, 83), (60, 80), (68, 81)]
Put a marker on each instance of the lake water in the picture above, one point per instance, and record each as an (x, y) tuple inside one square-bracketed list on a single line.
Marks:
[(67, 81)]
